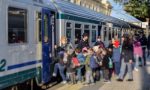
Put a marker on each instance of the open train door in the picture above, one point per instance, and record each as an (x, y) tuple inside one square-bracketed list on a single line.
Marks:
[(46, 45)]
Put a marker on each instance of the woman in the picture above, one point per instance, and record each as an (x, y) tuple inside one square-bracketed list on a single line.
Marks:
[(116, 55), (127, 59)]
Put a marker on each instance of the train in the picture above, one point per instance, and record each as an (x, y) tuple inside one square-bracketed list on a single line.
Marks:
[(25, 23)]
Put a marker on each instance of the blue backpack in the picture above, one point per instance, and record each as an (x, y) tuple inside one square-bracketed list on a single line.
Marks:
[(93, 63)]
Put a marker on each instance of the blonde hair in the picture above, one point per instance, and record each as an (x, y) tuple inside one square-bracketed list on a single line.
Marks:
[(63, 39)]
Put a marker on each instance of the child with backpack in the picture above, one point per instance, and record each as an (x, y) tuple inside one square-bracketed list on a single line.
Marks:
[(89, 76), (81, 58), (106, 65), (72, 63)]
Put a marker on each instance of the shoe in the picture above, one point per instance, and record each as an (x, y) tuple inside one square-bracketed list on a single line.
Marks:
[(64, 82), (86, 84), (136, 69), (120, 80), (92, 84), (130, 80), (54, 74)]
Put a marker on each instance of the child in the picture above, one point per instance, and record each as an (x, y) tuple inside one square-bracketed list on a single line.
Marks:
[(89, 76), (94, 64), (71, 66), (81, 59), (105, 65)]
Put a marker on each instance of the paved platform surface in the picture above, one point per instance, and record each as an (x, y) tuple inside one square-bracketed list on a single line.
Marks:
[(141, 82)]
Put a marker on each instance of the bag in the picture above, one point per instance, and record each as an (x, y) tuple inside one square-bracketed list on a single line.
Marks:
[(75, 61), (110, 63), (93, 63)]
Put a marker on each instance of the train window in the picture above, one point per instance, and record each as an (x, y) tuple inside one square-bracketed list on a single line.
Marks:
[(105, 34), (77, 33), (17, 25), (99, 30), (93, 27), (113, 33), (77, 36), (77, 25), (93, 35), (110, 36), (39, 26), (68, 30), (68, 24), (86, 26), (68, 34)]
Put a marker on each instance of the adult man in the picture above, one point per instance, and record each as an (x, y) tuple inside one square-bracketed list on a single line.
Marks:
[(84, 42)]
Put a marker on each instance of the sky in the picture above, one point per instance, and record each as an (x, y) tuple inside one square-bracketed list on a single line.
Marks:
[(118, 12)]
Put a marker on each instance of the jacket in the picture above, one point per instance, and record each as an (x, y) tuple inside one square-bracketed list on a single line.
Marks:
[(137, 49), (83, 44), (127, 52)]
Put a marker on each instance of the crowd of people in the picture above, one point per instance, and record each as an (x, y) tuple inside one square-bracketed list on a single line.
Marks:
[(87, 65)]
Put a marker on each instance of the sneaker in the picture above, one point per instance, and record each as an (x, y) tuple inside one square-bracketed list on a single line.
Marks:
[(54, 74), (130, 80), (64, 82), (136, 69), (92, 84), (86, 84), (120, 80)]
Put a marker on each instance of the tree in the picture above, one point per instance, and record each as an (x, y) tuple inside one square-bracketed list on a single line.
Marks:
[(138, 8)]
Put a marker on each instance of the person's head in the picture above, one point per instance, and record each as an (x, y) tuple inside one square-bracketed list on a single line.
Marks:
[(90, 51), (99, 38), (63, 40), (85, 36), (116, 37), (77, 51), (113, 40), (85, 51), (45, 39), (104, 51), (96, 48)]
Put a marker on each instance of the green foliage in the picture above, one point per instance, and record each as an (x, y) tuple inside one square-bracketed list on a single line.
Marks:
[(137, 8)]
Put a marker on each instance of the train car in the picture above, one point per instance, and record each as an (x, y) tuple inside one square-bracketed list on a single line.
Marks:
[(23, 50), (30, 29), (74, 20)]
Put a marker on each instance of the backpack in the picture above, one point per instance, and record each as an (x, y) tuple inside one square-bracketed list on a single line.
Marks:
[(110, 63), (75, 61), (93, 63)]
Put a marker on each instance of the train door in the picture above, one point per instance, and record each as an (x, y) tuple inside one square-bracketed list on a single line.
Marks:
[(46, 45)]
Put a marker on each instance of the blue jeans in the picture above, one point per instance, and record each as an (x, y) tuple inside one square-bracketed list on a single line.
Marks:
[(123, 69), (79, 74), (136, 57), (61, 70), (117, 67)]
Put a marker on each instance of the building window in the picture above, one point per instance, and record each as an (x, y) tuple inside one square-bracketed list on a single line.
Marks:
[(77, 33), (17, 25)]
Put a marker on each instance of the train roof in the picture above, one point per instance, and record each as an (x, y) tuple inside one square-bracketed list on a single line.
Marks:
[(76, 10), (42, 3), (73, 9)]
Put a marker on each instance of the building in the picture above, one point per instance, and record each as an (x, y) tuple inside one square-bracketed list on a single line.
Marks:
[(102, 6)]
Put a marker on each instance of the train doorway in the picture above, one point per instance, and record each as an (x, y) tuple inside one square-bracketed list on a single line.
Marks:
[(46, 45)]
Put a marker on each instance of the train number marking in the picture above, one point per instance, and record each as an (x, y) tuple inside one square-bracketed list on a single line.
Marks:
[(2, 65)]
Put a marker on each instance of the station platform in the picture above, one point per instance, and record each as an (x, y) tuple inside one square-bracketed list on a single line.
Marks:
[(141, 82)]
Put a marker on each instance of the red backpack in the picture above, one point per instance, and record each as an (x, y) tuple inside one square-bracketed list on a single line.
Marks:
[(75, 61)]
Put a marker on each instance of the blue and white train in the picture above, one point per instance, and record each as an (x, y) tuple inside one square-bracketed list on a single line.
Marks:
[(25, 23)]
